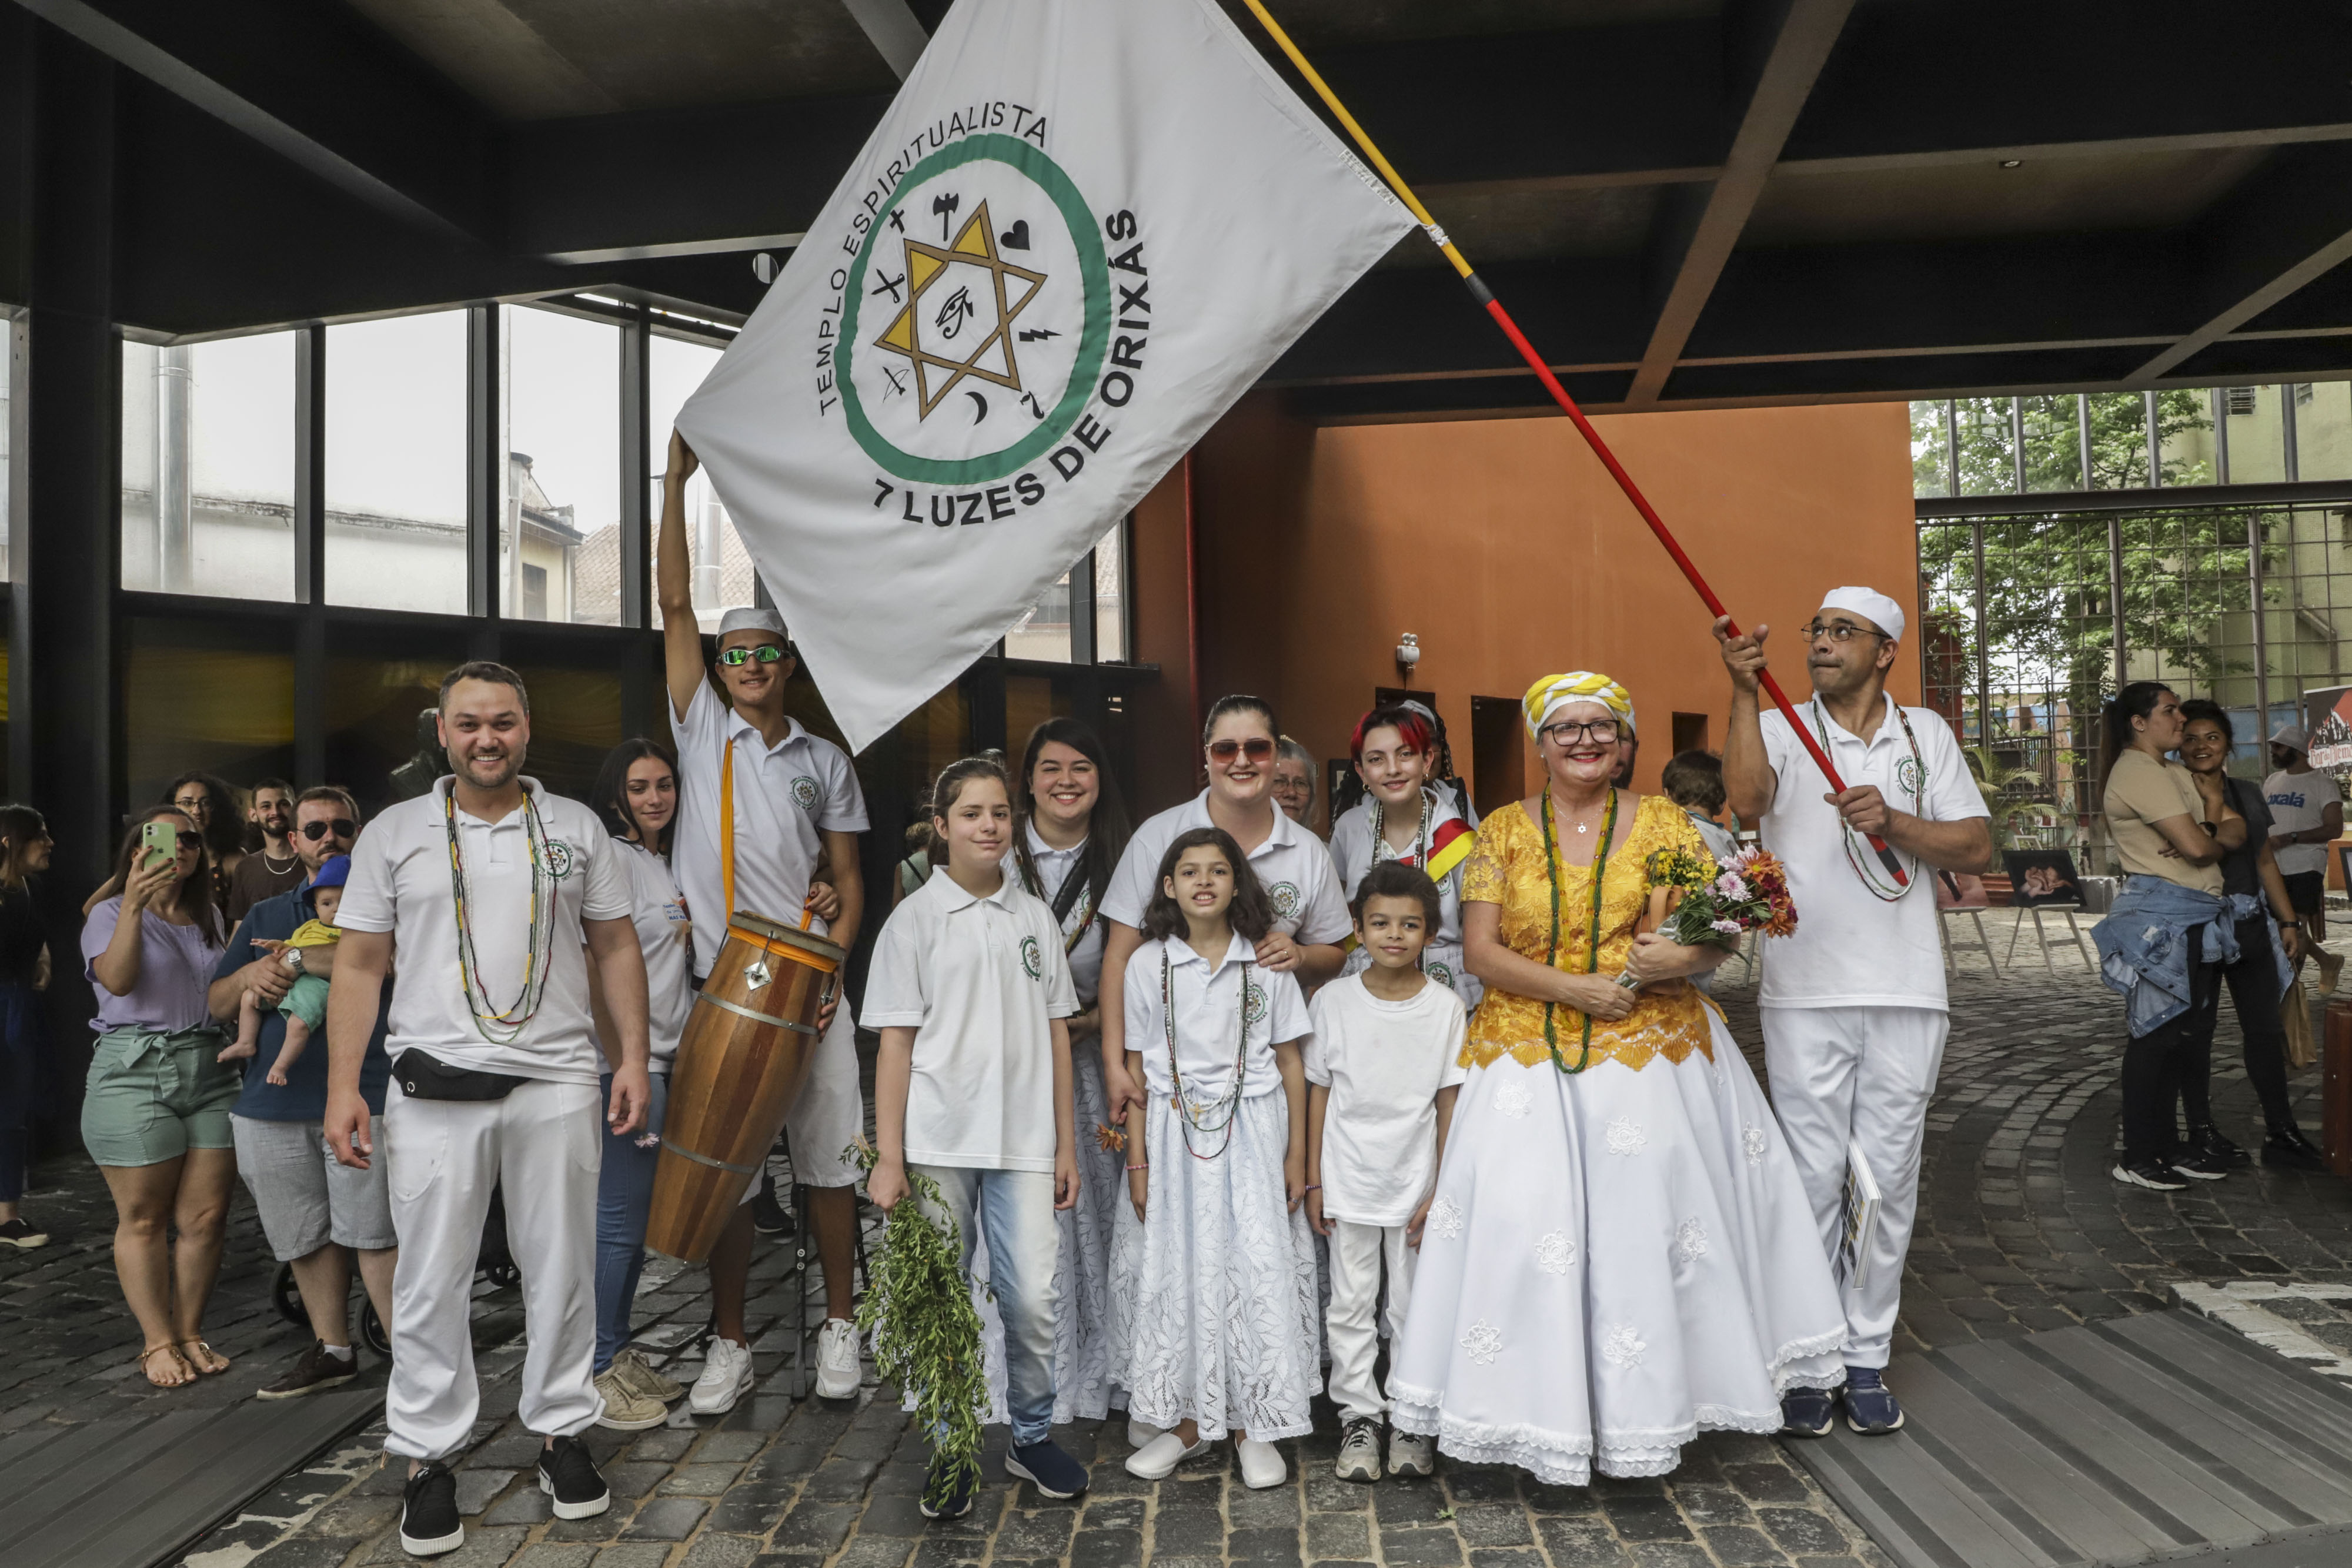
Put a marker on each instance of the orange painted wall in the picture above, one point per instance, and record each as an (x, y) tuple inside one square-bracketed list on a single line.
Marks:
[(1508, 548)]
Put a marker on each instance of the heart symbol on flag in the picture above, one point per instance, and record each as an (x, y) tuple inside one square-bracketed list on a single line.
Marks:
[(1017, 237)]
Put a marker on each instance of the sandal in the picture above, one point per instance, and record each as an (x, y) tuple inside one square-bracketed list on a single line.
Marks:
[(177, 1360), (220, 1362)]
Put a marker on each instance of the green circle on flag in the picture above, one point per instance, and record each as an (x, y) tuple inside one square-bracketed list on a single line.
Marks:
[(940, 342)]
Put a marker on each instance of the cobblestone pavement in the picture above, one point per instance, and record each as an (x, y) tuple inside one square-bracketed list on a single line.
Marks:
[(2020, 1231)]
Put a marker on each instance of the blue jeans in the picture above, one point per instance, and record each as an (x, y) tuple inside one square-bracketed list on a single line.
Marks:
[(624, 1197), (20, 1044), (1015, 1211)]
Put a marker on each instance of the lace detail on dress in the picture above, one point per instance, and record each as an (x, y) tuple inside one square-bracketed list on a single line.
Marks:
[(1514, 1101), (1625, 1137), (1484, 1343), (1445, 1220), (1555, 1253), (1621, 1347), (1690, 1240), (1753, 1143)]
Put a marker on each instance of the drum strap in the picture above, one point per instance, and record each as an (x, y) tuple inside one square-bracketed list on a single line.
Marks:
[(686, 1154), (756, 1018), (727, 824)]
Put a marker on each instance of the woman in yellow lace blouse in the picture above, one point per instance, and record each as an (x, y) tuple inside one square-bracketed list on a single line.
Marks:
[(1619, 1254)]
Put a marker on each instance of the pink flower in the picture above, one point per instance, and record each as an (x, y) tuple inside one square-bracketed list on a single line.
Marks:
[(1728, 928), (1729, 885)]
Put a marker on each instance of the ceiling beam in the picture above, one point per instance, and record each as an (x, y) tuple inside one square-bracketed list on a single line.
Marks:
[(2286, 227), (1696, 235), (319, 87), (896, 35)]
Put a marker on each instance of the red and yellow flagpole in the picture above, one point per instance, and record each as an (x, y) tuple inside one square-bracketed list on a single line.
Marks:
[(1494, 308)]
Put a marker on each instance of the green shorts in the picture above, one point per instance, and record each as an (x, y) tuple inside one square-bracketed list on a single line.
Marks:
[(152, 1097), (307, 1001)]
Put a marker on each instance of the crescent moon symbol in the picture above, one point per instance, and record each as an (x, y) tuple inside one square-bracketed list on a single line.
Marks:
[(981, 403)]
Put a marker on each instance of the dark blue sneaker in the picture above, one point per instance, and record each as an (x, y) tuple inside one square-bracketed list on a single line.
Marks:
[(1869, 1407), (947, 1491), (1807, 1412), (1044, 1466)]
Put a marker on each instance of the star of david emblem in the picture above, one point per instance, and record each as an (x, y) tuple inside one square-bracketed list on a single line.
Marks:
[(962, 294)]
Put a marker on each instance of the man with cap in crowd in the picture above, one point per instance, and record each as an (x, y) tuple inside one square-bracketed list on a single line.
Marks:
[(2306, 816), (754, 848), (1853, 1002)]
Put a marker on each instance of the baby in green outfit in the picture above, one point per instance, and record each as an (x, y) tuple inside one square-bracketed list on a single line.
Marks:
[(304, 1007)]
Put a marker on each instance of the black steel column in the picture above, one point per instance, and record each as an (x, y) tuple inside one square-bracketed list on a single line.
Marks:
[(486, 488), (310, 556), (641, 685)]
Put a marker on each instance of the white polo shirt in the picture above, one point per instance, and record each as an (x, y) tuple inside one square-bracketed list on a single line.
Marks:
[(1055, 867), (1383, 1062), (401, 881), (1292, 863), (1851, 948), (787, 798), (979, 981), (659, 911), (1210, 1014)]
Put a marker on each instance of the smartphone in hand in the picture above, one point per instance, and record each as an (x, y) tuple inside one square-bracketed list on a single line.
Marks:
[(159, 844)]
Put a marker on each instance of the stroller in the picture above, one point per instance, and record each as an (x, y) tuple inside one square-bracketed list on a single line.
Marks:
[(495, 1263)]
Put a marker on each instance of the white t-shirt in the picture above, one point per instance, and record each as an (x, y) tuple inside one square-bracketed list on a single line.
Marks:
[(659, 911), (979, 981), (786, 799), (1209, 1013), (400, 883), (2298, 801), (1851, 949), (1055, 867), (1293, 864), (1384, 1063)]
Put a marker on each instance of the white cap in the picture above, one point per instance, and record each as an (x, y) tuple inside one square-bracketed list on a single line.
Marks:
[(2290, 735), (751, 618), (1872, 605)]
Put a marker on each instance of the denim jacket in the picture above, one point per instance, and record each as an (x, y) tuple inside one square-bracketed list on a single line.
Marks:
[(2144, 946)]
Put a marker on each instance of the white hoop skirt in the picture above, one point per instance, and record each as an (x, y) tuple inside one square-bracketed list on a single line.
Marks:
[(1615, 1261)]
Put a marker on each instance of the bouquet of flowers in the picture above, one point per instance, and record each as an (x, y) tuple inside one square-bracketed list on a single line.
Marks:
[(1714, 902)]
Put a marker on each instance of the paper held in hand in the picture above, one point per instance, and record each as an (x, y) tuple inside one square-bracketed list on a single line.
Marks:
[(1859, 1218)]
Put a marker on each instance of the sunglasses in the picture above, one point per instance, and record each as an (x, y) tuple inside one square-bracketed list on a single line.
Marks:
[(342, 827), (766, 653), (1257, 749)]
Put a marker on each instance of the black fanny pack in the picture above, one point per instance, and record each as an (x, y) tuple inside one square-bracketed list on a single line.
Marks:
[(423, 1077)]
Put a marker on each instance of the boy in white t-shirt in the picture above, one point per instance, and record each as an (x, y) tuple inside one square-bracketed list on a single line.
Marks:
[(1382, 1067), (969, 990)]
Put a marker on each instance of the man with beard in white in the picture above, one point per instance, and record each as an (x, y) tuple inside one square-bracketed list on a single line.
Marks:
[(1853, 1001), (495, 895)]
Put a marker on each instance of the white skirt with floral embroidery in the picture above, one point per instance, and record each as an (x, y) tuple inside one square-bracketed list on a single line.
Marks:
[(1615, 1261)]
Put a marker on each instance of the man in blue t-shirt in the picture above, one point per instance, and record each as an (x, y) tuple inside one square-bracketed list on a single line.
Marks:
[(318, 1214)]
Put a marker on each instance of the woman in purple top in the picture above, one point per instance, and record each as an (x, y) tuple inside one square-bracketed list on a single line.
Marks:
[(155, 1117)]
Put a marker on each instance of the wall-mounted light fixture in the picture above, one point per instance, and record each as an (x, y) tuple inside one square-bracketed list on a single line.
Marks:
[(1408, 655)]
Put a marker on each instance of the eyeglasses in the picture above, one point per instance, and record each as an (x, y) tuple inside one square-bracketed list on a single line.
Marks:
[(342, 827), (766, 653), (1839, 632), (194, 805), (1257, 749), (1568, 731)]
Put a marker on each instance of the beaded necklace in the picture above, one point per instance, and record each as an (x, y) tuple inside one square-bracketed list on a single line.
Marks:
[(1866, 862), (504, 1026), (1380, 850), (1592, 958), (1229, 1102)]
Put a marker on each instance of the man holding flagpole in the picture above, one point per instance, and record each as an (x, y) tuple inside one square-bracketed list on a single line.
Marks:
[(1853, 1002), (761, 802)]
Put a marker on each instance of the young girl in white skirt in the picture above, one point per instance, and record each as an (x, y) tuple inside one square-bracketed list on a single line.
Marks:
[(1213, 1300)]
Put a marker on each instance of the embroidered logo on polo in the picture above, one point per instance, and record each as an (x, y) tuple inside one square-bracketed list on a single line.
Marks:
[(1284, 898), (1910, 775), (1440, 973), (1032, 959), (1252, 1002), (805, 794), (560, 859)]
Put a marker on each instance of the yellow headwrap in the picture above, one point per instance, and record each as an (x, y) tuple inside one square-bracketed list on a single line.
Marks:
[(1552, 693)]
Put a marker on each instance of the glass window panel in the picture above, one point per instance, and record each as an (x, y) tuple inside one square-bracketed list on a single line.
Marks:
[(397, 463), (2184, 428), (1044, 629), (1110, 596), (1930, 454), (1987, 447), (214, 695), (2053, 442), (2118, 424), (724, 574), (2257, 436), (2322, 431), (563, 390), (208, 445)]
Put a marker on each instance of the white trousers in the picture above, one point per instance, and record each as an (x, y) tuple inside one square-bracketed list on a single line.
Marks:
[(1351, 1321), (830, 1113), (1840, 1074), (542, 1145)]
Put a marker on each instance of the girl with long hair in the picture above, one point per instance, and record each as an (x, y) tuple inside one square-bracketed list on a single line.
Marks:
[(24, 846), (155, 1117), (1407, 816)]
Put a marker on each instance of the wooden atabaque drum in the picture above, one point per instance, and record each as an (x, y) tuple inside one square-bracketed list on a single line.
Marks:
[(747, 1051)]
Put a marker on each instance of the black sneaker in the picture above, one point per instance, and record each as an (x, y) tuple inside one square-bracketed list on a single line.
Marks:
[(1807, 1412), (2156, 1176), (947, 1490), (429, 1524), (314, 1371), (568, 1475), (19, 1233), (2288, 1146), (2207, 1140), (2198, 1165), (770, 1218), (1044, 1466)]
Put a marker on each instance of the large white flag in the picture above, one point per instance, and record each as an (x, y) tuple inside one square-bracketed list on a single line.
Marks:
[(1082, 231)]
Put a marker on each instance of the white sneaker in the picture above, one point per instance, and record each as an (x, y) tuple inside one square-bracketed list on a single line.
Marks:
[(1411, 1453), (1158, 1459), (1140, 1433), (1261, 1464), (838, 1372), (726, 1376)]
